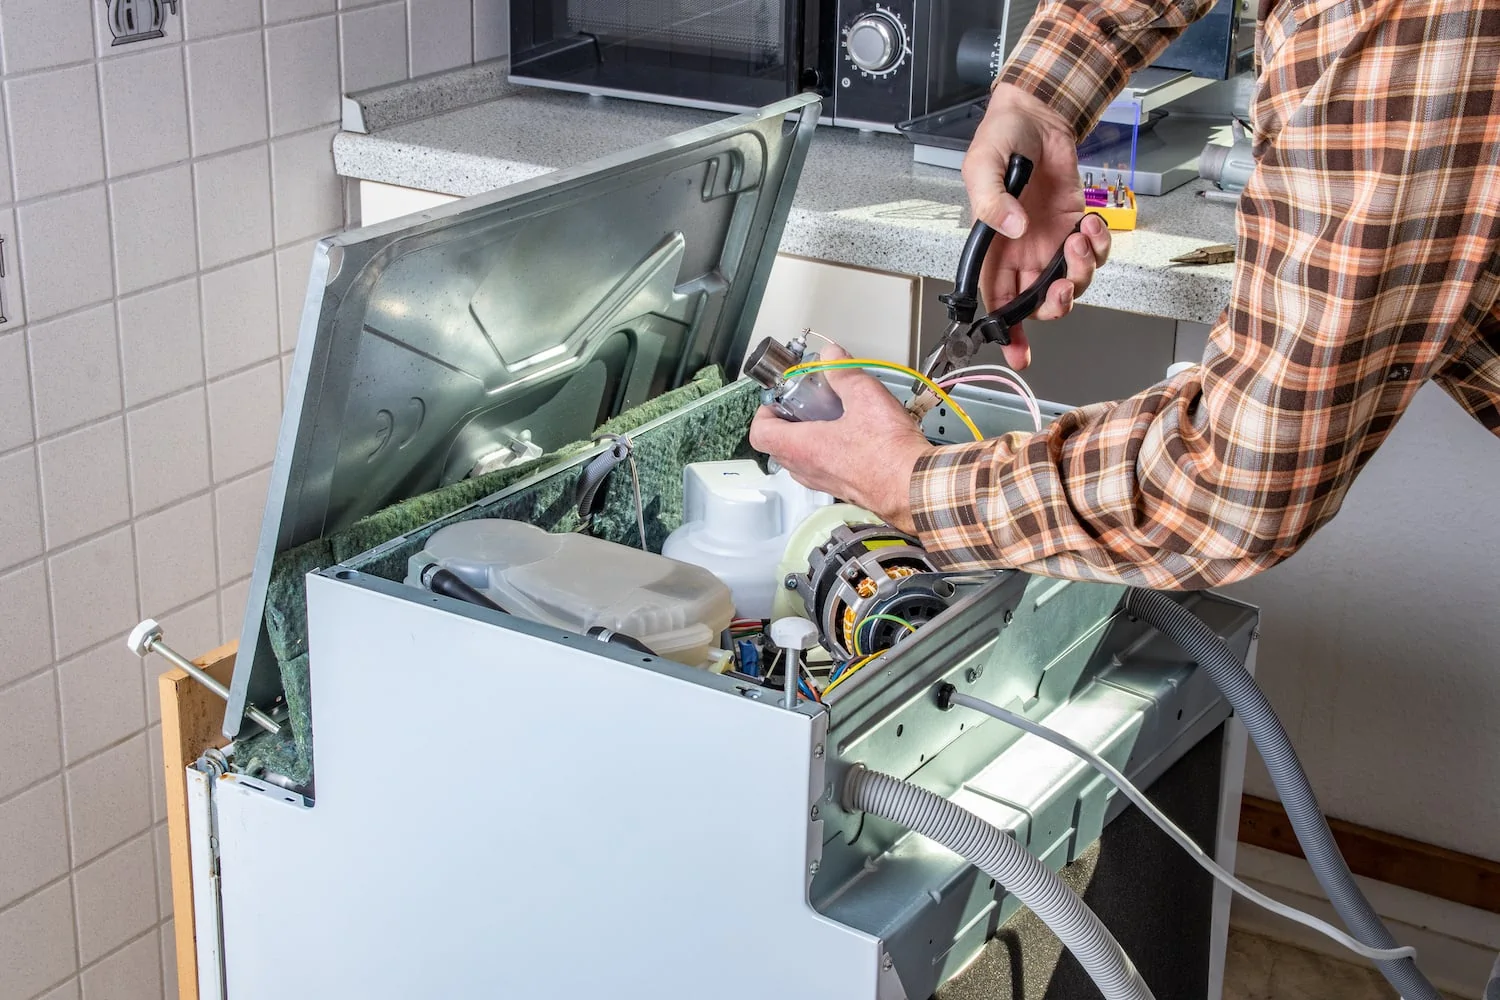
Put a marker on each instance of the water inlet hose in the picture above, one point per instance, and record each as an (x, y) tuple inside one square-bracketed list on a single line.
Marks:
[(1020, 873), (1228, 673)]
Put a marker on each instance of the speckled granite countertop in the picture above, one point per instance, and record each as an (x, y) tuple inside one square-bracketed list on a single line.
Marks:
[(861, 201)]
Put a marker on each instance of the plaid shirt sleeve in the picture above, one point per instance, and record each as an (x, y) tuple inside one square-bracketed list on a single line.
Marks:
[(1076, 55), (1368, 264)]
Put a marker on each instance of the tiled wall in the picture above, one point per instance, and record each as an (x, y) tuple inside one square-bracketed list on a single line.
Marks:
[(158, 202)]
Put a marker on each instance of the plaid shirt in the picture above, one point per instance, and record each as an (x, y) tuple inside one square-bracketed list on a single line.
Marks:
[(1368, 263)]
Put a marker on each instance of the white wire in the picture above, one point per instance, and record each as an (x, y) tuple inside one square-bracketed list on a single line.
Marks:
[(1001, 369), (814, 333), (1171, 829), (635, 483), (640, 508), (950, 384)]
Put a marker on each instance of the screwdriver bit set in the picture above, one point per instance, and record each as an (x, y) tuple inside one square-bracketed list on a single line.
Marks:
[(1114, 202)]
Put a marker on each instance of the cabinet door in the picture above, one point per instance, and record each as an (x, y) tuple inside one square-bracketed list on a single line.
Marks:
[(382, 202), (867, 313)]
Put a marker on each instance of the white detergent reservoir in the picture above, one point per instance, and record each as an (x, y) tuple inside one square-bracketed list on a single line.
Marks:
[(736, 520), (576, 582)]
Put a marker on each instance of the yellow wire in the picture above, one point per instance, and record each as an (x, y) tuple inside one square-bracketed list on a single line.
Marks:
[(818, 366), (845, 675), (874, 618)]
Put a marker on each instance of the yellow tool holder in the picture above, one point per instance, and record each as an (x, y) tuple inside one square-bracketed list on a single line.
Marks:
[(1119, 218)]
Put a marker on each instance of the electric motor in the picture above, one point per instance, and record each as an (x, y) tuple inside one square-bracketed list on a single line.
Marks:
[(868, 588)]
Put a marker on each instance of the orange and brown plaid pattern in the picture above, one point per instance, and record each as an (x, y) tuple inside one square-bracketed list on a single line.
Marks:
[(1368, 262)]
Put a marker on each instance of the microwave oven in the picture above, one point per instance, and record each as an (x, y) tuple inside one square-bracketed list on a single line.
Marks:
[(875, 62)]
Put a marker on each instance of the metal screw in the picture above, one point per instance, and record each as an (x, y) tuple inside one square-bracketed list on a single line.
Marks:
[(790, 583), (1010, 616), (886, 963), (815, 811), (147, 638), (818, 751), (973, 674), (812, 869), (214, 762), (1255, 633)]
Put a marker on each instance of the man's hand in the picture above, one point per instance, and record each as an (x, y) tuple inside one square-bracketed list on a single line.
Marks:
[(1045, 215), (865, 457)]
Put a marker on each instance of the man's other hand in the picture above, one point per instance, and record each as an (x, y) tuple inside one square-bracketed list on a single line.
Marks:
[(1036, 225), (865, 457)]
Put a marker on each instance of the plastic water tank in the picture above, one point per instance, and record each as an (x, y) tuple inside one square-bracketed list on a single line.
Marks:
[(736, 520), (576, 582)]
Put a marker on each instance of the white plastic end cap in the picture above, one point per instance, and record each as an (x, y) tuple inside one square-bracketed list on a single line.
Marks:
[(794, 633), (1180, 366), (142, 636)]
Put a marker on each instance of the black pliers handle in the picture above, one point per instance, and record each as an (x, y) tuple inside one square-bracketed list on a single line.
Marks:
[(965, 335)]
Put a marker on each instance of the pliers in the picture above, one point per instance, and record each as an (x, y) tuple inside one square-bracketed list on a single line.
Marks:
[(964, 334), (1219, 253)]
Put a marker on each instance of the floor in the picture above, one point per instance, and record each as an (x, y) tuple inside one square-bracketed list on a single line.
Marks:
[(1261, 969)]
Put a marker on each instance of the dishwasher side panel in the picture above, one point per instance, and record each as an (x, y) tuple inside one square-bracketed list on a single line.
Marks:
[(527, 817)]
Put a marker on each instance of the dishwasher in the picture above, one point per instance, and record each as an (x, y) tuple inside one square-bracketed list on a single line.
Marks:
[(519, 752)]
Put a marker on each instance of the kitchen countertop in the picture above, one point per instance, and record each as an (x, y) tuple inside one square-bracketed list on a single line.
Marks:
[(861, 200)]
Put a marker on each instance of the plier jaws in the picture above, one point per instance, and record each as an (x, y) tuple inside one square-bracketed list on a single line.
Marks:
[(965, 335)]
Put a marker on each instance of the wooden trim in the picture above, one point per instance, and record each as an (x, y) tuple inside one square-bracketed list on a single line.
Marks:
[(1384, 857), (191, 719)]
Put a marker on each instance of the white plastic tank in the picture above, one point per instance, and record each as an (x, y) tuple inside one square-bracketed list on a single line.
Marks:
[(574, 581), (736, 521)]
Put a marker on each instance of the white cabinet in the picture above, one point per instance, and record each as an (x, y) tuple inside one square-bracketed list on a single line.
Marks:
[(383, 202), (868, 313)]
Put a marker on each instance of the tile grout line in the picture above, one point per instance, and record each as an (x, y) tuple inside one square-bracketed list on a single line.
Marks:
[(80, 967), (160, 285), (96, 647), (166, 397), (410, 46), (114, 277), (191, 159), (77, 974), (136, 515), (208, 429), (94, 536), (184, 41)]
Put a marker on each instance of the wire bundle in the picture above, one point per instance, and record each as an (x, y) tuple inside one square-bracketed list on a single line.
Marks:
[(1008, 377), (962, 376)]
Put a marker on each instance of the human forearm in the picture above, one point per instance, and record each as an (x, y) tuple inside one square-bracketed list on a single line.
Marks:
[(1131, 492), (1076, 55)]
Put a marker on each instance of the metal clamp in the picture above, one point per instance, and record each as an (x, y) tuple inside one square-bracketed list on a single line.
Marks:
[(147, 638)]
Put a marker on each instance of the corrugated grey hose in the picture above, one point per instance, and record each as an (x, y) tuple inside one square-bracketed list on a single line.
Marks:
[(1239, 689), (995, 853)]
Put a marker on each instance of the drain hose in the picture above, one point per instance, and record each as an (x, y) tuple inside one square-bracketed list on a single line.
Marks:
[(1214, 656), (996, 854)]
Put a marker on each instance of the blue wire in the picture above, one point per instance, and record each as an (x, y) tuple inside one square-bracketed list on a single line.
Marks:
[(805, 689)]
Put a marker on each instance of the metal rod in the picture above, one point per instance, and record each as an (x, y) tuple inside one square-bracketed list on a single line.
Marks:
[(793, 658), (147, 638)]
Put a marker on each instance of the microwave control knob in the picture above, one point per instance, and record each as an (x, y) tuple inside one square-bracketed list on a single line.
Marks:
[(875, 42)]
